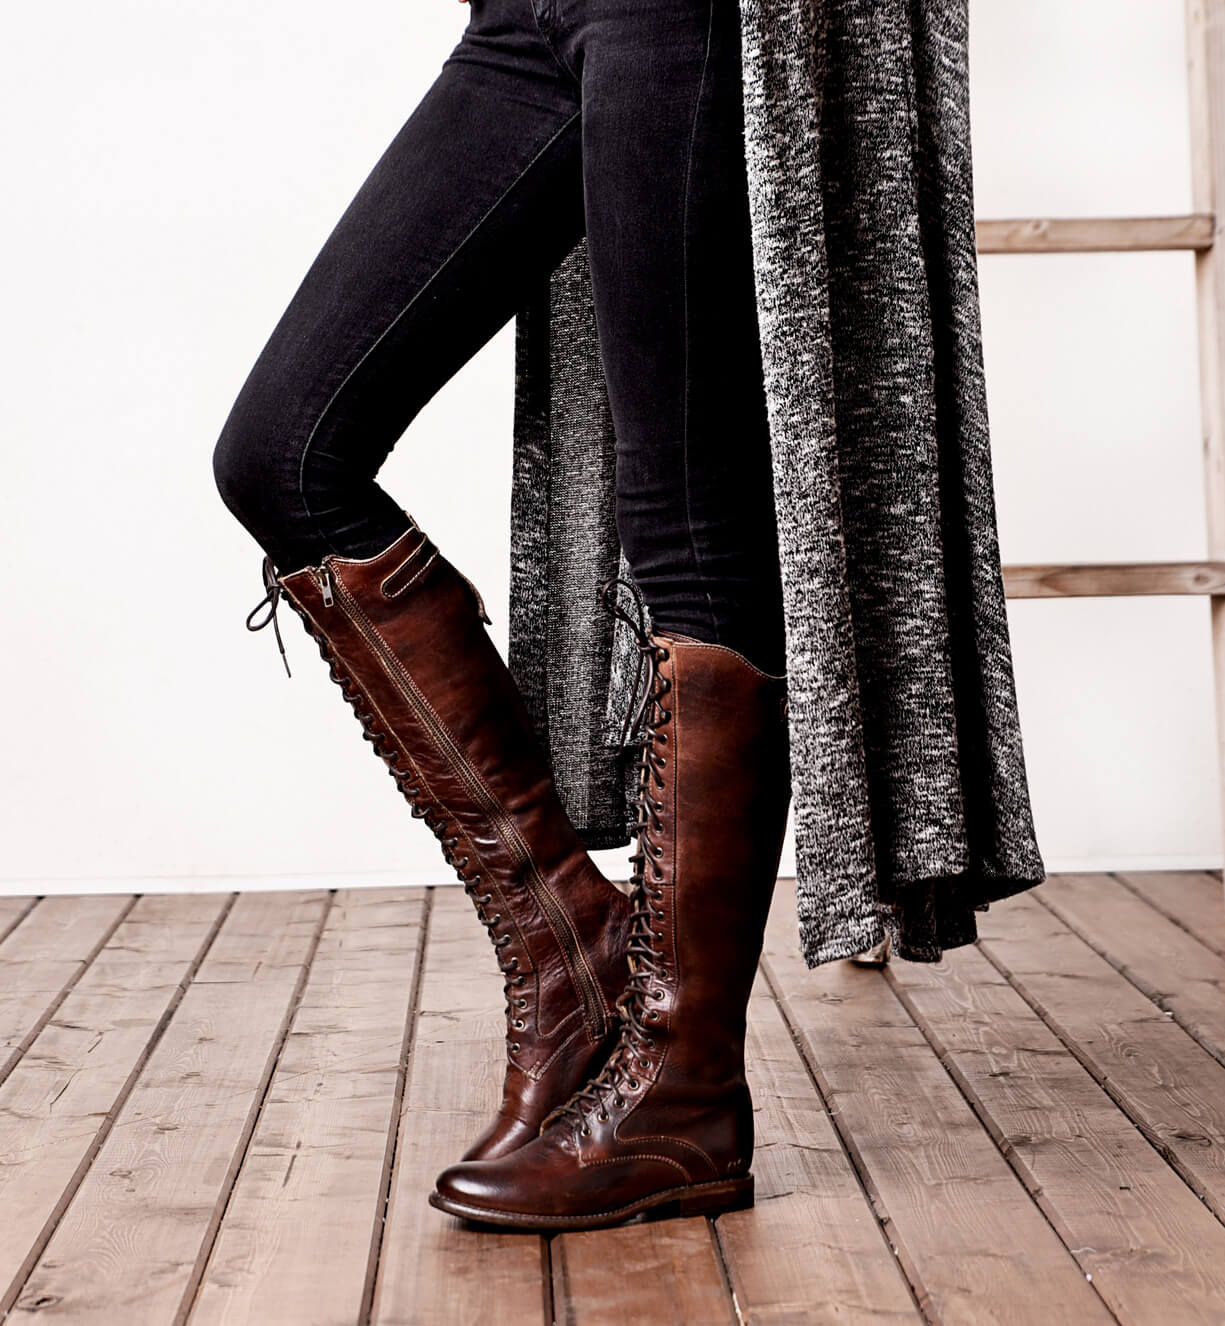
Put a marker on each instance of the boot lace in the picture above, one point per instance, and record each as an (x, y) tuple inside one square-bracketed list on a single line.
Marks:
[(409, 782), (648, 969)]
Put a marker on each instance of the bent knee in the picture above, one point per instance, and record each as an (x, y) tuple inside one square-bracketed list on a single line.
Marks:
[(257, 479)]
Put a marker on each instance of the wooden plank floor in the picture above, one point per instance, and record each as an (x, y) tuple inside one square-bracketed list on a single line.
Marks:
[(230, 1108)]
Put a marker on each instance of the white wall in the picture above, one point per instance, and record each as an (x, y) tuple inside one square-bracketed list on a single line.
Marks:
[(171, 171)]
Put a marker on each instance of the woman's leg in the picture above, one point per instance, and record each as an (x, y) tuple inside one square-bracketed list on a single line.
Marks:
[(478, 197), (672, 271), (668, 1120), (477, 200)]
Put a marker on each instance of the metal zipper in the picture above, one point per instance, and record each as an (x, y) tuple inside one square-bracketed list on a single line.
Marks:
[(333, 591)]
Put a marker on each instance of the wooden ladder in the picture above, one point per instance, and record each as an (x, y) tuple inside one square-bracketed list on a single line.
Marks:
[(1201, 232)]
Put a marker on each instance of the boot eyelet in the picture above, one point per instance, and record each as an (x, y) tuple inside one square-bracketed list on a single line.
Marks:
[(585, 1130), (650, 1044), (653, 1015), (518, 1024), (521, 1002), (602, 1116), (632, 1083), (493, 920), (643, 1063), (520, 979), (619, 1101), (657, 994), (514, 1045)]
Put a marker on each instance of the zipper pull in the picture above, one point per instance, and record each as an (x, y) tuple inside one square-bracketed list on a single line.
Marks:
[(324, 576)]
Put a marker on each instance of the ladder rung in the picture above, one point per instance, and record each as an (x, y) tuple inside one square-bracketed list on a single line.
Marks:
[(1110, 579), (1095, 234)]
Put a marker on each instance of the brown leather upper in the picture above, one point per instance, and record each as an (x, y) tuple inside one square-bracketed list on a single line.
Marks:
[(405, 634), (672, 1107)]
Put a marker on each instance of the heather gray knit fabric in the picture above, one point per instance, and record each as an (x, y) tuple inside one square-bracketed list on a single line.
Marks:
[(911, 805)]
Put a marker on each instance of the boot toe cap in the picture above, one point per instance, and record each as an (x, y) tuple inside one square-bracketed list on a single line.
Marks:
[(471, 1187)]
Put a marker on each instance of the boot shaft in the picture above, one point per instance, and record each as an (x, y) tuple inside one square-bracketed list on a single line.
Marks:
[(407, 630), (725, 799), (716, 791)]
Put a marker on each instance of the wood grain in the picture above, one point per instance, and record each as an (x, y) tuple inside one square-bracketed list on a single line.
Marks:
[(1155, 1252), (1190, 898), (1179, 974), (1112, 579), (13, 910), (60, 1101), (811, 1249), (600, 1277), (41, 959), (434, 1270), (1167, 1084), (127, 1247), (970, 1238), (299, 1230), (1094, 234)]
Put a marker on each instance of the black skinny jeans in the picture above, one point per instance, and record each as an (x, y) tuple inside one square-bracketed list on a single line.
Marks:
[(621, 119)]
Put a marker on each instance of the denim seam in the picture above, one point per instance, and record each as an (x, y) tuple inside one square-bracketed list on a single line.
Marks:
[(391, 326), (693, 128), (553, 51)]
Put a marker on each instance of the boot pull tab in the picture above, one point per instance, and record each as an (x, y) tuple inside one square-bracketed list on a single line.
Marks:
[(423, 555), (271, 601), (480, 602)]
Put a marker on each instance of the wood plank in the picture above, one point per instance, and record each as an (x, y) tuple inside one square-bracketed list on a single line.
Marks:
[(1113, 579), (607, 1277), (968, 1235), (1190, 898), (43, 957), (59, 1102), (1155, 1252), (434, 1270), (13, 911), (297, 1236), (128, 1245), (1205, 38), (811, 1249), (1178, 973), (1091, 234), (1164, 1081)]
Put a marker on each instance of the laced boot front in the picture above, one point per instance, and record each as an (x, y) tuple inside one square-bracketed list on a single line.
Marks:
[(404, 636), (668, 1120)]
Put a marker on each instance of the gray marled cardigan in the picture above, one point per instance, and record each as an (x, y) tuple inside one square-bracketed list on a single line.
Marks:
[(911, 806)]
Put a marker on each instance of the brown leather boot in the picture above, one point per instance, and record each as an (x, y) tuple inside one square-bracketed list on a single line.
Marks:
[(668, 1122), (403, 634)]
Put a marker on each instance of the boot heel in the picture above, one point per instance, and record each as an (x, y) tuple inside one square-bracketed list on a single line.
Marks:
[(711, 1198)]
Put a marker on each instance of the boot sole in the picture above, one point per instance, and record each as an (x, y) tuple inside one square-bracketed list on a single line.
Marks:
[(692, 1200)]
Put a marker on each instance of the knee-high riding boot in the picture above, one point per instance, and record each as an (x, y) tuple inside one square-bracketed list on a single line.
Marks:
[(668, 1122), (403, 632)]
